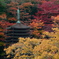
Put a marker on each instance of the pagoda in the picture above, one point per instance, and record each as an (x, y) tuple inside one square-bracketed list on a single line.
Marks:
[(18, 30)]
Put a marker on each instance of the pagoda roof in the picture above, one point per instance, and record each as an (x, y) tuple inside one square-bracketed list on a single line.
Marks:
[(18, 26)]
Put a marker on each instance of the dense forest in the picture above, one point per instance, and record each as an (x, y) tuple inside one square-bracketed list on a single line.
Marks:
[(43, 18)]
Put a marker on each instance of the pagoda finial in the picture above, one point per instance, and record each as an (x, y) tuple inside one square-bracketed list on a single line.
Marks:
[(18, 16)]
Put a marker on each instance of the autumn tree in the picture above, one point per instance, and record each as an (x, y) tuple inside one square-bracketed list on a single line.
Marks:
[(34, 48), (26, 10), (45, 11), (56, 21), (36, 28)]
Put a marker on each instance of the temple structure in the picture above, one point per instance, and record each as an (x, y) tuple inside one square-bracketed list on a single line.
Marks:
[(18, 30)]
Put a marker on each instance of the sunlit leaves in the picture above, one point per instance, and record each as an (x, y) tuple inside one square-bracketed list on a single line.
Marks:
[(4, 24), (36, 25), (12, 19), (34, 49), (55, 20), (3, 16)]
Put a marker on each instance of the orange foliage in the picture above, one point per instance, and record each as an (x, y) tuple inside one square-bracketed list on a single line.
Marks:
[(36, 33), (55, 20), (33, 24), (12, 19), (3, 16), (36, 24), (4, 24), (1, 34), (27, 4), (1, 29), (13, 8), (43, 1), (12, 4), (24, 9)]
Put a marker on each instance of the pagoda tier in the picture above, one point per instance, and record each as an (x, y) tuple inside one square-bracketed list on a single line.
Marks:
[(16, 31), (17, 34)]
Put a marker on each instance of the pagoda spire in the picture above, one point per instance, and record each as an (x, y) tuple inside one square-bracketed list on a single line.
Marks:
[(18, 16)]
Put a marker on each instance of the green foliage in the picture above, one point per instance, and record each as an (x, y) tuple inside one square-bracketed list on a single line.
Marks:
[(2, 53), (3, 3), (2, 8), (1, 43), (33, 10)]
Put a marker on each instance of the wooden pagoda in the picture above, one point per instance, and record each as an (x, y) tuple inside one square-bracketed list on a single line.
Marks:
[(15, 31)]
